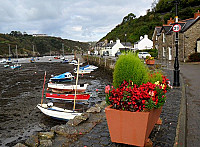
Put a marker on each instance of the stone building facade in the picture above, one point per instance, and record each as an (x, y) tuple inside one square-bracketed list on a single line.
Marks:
[(188, 37)]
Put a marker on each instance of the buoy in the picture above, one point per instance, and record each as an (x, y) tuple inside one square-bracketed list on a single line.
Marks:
[(97, 90)]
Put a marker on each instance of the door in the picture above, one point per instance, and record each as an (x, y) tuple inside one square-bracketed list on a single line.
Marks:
[(170, 53), (198, 46)]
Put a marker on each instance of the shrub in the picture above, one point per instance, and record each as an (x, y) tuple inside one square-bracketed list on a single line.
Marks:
[(130, 68), (194, 57), (155, 76)]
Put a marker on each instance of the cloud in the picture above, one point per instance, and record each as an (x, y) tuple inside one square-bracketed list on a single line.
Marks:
[(83, 20)]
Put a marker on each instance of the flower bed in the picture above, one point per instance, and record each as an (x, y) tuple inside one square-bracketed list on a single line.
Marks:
[(134, 98)]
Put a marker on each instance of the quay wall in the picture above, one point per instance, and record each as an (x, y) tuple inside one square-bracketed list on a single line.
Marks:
[(107, 63)]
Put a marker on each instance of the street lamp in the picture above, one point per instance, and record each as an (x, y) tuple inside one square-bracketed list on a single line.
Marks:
[(125, 41), (176, 63)]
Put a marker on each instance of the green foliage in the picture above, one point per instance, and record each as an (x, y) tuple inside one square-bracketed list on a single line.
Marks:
[(194, 57), (136, 27), (130, 68), (42, 45), (155, 76)]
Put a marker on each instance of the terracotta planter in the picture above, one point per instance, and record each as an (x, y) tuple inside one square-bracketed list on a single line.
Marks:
[(150, 62), (131, 128)]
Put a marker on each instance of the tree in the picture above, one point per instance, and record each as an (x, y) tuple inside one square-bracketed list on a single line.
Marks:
[(129, 17)]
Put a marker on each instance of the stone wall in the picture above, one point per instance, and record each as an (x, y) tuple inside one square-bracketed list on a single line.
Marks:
[(186, 46)]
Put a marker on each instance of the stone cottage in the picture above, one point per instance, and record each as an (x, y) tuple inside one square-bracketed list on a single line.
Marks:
[(189, 38)]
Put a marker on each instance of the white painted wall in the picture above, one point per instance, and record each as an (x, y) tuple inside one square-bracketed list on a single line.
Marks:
[(144, 43), (116, 48)]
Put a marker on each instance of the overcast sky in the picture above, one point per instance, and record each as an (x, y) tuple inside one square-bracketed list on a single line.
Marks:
[(80, 20)]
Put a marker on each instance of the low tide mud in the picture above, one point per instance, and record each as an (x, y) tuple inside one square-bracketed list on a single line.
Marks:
[(21, 91)]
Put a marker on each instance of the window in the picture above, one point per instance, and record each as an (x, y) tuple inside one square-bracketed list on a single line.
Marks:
[(164, 52), (163, 38)]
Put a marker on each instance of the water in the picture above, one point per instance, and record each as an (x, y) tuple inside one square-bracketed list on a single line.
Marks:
[(21, 91)]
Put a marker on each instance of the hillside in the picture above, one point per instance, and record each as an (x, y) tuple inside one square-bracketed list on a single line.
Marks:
[(136, 27), (42, 45)]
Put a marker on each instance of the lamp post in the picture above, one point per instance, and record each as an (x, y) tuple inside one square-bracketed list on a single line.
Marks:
[(125, 41), (176, 63)]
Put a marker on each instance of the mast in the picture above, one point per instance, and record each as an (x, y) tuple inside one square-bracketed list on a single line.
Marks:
[(33, 51), (16, 52), (76, 86), (63, 49), (9, 50)]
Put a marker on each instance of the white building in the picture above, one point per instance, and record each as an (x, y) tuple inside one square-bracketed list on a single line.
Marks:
[(143, 43), (113, 47)]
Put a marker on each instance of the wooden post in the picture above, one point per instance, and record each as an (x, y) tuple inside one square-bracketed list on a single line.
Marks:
[(43, 88)]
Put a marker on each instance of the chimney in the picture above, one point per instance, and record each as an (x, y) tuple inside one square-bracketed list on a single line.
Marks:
[(117, 41), (170, 21), (145, 36), (111, 41), (196, 14), (141, 37)]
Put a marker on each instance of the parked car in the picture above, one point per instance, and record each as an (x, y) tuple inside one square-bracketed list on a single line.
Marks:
[(117, 54), (105, 54), (143, 54)]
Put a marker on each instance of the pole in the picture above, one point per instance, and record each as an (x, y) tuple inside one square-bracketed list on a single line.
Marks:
[(43, 88), (125, 43), (176, 63), (76, 85)]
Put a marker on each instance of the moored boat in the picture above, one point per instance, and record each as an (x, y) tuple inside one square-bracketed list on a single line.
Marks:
[(62, 77), (61, 88), (15, 66), (56, 112), (69, 97)]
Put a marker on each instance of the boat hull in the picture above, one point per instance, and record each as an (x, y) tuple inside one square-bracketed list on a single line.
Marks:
[(69, 97), (67, 88)]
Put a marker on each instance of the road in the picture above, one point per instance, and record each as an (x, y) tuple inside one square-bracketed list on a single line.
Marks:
[(190, 73)]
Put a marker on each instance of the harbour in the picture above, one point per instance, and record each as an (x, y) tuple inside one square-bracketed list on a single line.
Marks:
[(21, 91)]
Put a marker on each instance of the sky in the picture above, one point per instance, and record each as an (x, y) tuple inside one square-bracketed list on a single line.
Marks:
[(79, 20)]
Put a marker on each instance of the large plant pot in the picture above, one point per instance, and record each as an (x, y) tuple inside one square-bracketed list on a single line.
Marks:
[(131, 128), (150, 62)]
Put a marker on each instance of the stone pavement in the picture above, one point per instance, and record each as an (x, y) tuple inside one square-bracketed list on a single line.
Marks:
[(162, 136)]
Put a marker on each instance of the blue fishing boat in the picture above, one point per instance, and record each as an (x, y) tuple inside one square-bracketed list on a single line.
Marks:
[(65, 77)]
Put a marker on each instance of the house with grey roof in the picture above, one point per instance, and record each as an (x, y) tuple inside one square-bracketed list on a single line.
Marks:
[(113, 47), (189, 38)]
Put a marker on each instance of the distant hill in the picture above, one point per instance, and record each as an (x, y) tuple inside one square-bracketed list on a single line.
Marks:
[(163, 10), (42, 45)]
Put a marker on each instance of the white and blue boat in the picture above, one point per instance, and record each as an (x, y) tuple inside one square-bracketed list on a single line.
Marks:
[(65, 77), (15, 66), (92, 67)]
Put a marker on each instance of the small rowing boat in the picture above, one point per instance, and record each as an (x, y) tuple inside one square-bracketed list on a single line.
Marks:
[(61, 88), (69, 97), (56, 112)]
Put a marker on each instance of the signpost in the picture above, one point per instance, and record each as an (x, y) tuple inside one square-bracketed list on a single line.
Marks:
[(176, 29)]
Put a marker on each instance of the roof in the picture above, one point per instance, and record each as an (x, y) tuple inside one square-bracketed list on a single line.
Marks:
[(185, 25), (110, 44), (126, 43)]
